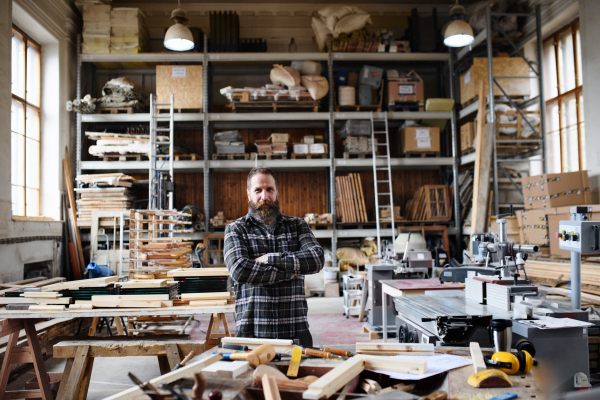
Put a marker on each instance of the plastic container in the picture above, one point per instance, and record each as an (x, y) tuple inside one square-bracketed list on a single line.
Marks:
[(365, 95), (352, 282), (370, 76)]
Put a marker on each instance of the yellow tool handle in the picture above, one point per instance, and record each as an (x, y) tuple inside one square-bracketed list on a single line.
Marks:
[(317, 353), (439, 395), (337, 351), (187, 358), (239, 356)]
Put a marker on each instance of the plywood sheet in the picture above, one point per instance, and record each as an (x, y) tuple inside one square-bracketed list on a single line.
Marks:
[(184, 81)]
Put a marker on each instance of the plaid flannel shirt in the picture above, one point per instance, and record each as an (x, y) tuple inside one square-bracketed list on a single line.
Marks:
[(269, 297)]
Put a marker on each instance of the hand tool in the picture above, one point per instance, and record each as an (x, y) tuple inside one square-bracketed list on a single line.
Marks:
[(236, 347), (260, 355), (319, 353), (295, 362), (338, 352), (185, 360), (199, 386), (144, 386), (177, 396), (505, 396)]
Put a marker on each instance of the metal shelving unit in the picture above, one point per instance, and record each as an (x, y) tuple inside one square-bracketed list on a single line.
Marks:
[(208, 120)]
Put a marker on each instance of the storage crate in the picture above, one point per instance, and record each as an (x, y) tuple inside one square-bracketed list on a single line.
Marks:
[(352, 282), (518, 124), (502, 66), (352, 302)]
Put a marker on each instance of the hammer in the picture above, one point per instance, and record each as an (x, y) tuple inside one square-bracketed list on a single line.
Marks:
[(260, 355)]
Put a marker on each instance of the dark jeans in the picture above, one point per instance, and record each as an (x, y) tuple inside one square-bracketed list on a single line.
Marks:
[(305, 338)]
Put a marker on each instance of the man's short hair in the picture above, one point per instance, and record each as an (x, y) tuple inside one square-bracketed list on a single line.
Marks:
[(261, 170)]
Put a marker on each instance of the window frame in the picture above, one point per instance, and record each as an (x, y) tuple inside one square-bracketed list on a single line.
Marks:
[(28, 41), (577, 92)]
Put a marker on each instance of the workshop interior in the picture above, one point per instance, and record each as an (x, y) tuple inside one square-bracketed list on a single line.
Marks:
[(418, 181)]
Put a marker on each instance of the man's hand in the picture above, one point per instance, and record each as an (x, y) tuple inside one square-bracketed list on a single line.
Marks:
[(261, 259)]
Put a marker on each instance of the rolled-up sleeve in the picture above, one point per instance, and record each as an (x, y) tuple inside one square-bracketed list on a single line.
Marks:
[(245, 270), (308, 260)]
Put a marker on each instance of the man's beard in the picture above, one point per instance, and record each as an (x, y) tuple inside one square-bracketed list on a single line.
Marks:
[(264, 215)]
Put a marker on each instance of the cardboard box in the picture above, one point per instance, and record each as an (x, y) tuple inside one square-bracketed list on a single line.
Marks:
[(385, 213), (370, 76), (533, 228), (280, 137), (308, 139), (301, 148), (332, 290), (555, 215), (420, 139), (555, 190), (184, 81), (467, 135), (502, 66), (317, 148), (405, 88)]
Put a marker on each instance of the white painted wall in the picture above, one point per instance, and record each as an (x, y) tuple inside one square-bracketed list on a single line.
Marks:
[(589, 14), (52, 24)]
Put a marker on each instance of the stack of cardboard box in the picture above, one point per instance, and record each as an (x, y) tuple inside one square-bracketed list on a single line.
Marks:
[(310, 145), (548, 199), (129, 34), (277, 143), (96, 29)]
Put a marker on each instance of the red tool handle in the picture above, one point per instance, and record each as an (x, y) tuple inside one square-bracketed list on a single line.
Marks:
[(317, 353), (338, 352)]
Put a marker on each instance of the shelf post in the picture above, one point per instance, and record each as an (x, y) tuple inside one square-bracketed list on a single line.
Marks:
[(77, 114), (332, 194), (206, 136), (455, 156)]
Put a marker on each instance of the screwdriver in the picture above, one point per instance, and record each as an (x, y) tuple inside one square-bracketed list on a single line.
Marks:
[(319, 353)]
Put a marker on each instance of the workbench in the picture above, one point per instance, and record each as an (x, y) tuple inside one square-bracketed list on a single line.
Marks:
[(453, 382), (410, 287), (12, 321)]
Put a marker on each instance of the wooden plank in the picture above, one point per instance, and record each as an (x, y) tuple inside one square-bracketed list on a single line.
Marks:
[(173, 355), (362, 197), (335, 379), (46, 307), (479, 160), (477, 357), (207, 303), (133, 297), (183, 372), (412, 366), (403, 347), (257, 341), (126, 303), (270, 390), (72, 204), (35, 350), (80, 306), (41, 295), (60, 300), (128, 346), (226, 369), (74, 285), (65, 378), (144, 283), (76, 376), (198, 272), (206, 296)]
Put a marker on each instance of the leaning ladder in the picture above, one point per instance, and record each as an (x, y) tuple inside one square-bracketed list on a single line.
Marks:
[(160, 124), (382, 175)]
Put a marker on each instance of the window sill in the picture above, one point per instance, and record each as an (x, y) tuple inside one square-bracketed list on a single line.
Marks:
[(35, 219)]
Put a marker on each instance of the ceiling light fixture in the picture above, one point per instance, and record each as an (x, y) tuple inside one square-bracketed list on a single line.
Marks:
[(459, 33), (179, 37)]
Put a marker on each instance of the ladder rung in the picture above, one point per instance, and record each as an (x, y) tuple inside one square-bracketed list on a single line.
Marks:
[(380, 132), (162, 129), (385, 219), (386, 180), (381, 169), (382, 144), (383, 194), (381, 157), (162, 104)]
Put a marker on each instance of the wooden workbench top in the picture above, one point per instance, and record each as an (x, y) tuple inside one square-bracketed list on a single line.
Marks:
[(421, 284)]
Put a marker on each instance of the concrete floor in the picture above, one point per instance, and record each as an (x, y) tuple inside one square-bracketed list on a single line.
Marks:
[(109, 375)]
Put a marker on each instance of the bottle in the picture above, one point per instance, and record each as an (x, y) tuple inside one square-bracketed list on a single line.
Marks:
[(292, 47)]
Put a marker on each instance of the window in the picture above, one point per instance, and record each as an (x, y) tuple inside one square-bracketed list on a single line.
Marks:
[(25, 125), (563, 82)]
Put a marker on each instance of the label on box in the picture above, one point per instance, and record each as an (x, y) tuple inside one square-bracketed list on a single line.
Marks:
[(406, 89), (423, 143), (468, 77), (422, 133), (179, 72), (366, 74), (317, 148)]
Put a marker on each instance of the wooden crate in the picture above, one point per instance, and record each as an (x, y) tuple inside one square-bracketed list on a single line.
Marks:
[(502, 66), (467, 135), (518, 123), (184, 81)]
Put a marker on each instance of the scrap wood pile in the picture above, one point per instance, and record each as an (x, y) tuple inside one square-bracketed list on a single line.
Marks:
[(103, 192), (556, 274), (430, 203), (185, 287), (350, 199), (152, 253), (121, 144)]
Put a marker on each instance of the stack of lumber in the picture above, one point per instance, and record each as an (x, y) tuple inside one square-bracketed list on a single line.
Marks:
[(28, 283), (556, 273), (203, 286), (218, 220), (151, 252), (277, 143), (350, 199), (430, 203), (101, 197), (229, 142), (96, 29), (47, 301), (121, 144), (129, 34)]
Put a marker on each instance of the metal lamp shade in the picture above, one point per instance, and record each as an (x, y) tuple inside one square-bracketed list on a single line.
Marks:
[(179, 38), (458, 34)]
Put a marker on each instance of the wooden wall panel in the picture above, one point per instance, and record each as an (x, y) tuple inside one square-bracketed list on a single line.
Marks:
[(189, 190), (299, 193), (404, 185)]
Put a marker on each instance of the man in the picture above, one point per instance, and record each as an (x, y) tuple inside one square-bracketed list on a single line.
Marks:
[(268, 254)]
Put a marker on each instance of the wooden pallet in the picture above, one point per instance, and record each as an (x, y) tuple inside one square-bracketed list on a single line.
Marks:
[(274, 106), (467, 151), (358, 107), (237, 156), (350, 198), (122, 157), (406, 107), (180, 110), (180, 157), (497, 98), (373, 335), (308, 156), (366, 154), (318, 227), (268, 156), (421, 154), (115, 110)]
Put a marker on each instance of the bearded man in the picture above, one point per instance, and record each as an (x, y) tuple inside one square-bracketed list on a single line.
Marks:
[(268, 254)]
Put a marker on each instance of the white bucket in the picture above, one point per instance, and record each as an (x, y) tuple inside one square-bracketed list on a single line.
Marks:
[(330, 275), (347, 95)]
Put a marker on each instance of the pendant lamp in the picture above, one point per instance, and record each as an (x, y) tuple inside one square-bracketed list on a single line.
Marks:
[(459, 33), (179, 37)]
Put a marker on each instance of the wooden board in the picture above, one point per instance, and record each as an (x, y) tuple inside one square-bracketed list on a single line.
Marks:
[(129, 304), (206, 296), (60, 300), (74, 285), (334, 380), (46, 308), (185, 87), (413, 366), (477, 357), (400, 347), (133, 297), (198, 272), (41, 295), (226, 369), (422, 284), (206, 303), (144, 283), (73, 217)]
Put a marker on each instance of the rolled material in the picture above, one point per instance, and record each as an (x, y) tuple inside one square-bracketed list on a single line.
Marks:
[(347, 96)]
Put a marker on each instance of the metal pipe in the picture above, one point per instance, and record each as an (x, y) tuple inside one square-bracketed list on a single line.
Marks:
[(121, 227), (332, 170), (78, 115), (456, 160), (502, 235), (538, 22), (575, 280), (205, 135), (488, 23)]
